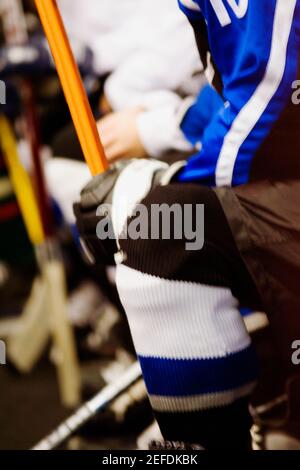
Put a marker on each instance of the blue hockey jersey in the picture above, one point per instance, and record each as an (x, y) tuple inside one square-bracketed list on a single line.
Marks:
[(251, 49)]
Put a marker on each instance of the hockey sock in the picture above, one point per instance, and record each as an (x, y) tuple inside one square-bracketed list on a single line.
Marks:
[(196, 355)]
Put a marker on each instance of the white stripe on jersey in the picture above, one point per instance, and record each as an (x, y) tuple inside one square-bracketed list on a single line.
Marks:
[(254, 109)]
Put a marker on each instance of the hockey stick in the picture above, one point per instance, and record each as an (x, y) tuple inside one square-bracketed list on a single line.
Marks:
[(22, 184), (72, 86), (53, 272), (90, 409), (26, 343), (33, 137), (46, 309)]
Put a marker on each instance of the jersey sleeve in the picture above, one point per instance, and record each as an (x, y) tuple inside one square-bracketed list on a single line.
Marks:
[(265, 63), (200, 114)]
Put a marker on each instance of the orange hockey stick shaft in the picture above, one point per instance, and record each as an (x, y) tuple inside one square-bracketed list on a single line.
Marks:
[(72, 86)]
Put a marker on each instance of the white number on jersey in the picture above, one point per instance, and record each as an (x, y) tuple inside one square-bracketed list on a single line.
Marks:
[(239, 8)]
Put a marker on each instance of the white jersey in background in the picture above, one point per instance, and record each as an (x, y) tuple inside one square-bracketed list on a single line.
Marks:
[(148, 49)]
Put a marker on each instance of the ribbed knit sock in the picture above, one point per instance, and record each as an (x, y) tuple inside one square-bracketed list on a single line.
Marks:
[(196, 356)]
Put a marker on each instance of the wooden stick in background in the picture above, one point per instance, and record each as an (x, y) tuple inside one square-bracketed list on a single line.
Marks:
[(72, 86), (46, 309), (22, 184)]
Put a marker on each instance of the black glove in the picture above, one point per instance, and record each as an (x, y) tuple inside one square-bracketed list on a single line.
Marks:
[(132, 180), (97, 192)]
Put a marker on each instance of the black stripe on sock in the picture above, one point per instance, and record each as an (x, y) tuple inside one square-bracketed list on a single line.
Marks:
[(218, 428)]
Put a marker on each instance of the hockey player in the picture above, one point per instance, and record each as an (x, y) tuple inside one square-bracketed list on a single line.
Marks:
[(182, 305)]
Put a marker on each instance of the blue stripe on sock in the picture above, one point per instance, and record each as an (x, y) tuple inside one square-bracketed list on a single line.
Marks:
[(184, 377)]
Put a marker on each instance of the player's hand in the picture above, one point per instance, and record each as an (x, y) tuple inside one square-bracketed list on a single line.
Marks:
[(120, 136)]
